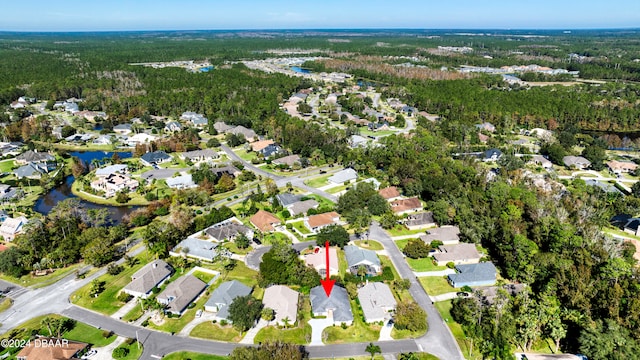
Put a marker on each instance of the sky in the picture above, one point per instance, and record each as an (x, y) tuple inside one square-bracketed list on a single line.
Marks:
[(109, 15)]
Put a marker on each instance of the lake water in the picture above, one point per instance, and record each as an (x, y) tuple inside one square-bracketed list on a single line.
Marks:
[(206, 68), (298, 69), (63, 191)]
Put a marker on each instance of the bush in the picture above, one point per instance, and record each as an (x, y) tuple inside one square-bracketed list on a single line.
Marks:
[(124, 297), (107, 334), (343, 325), (155, 289), (451, 265), (120, 352), (114, 269), (192, 305), (416, 249), (145, 323), (170, 315), (129, 341), (122, 197), (223, 322)]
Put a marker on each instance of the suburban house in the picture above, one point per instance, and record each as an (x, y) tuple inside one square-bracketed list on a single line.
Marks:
[(576, 162), (79, 138), (196, 248), (404, 206), (316, 222), (155, 158), (284, 302), (631, 227), (248, 134), (358, 257), (31, 171), (289, 160), (229, 170), (390, 193), (270, 150), (541, 161), (172, 126), (449, 235), (59, 349), (420, 221), (223, 296), (140, 138), (481, 274), (491, 155), (200, 155), (144, 280), (343, 176), (113, 183), (318, 261), (264, 221), (12, 227), (457, 254), (336, 306), (373, 181), (376, 301), (180, 293), (287, 199), (112, 169), (184, 181), (261, 144), (7, 192), (301, 207), (222, 127), (227, 230), (356, 141), (32, 156), (196, 119), (619, 167), (486, 126), (122, 129)]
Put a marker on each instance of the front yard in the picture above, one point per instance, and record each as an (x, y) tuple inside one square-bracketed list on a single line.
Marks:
[(436, 285), (211, 331), (357, 332)]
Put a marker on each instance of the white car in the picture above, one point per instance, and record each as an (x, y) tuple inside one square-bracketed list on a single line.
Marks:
[(199, 313), (89, 354)]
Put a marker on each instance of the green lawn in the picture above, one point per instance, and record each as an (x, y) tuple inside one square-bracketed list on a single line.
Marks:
[(174, 325), (405, 334), (88, 334), (193, 356), (337, 189), (136, 198), (231, 246), (436, 285), (271, 238), (444, 308), (357, 332), (299, 225), (244, 155), (385, 261), (134, 314), (369, 244), (401, 230), (106, 303), (299, 336), (5, 304), (40, 281), (425, 264), (6, 165), (204, 276), (211, 331), (319, 181), (134, 352)]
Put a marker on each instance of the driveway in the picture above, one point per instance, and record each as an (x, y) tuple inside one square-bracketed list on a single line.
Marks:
[(106, 352), (317, 327), (251, 334)]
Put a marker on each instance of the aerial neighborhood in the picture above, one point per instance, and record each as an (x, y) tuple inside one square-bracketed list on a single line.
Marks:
[(227, 205)]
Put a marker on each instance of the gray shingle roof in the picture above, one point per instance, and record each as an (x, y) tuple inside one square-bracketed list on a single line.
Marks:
[(376, 300), (356, 255), (480, 272), (287, 199), (445, 233), (198, 154), (302, 207), (156, 157), (338, 302), (223, 296), (145, 279), (198, 248), (227, 230), (29, 170), (420, 219), (184, 290), (34, 156), (341, 176)]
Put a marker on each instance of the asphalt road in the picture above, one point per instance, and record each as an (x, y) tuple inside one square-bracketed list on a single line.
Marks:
[(439, 340)]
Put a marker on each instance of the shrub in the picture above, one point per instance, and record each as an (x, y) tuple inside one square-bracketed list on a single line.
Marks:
[(343, 325), (114, 269), (192, 305), (145, 323), (107, 333), (416, 249), (129, 341), (120, 352), (223, 322), (467, 288), (451, 265), (151, 196), (124, 297)]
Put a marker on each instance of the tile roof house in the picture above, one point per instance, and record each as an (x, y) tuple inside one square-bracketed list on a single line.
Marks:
[(180, 293), (336, 305), (343, 176), (196, 119), (228, 230), (283, 301), (261, 144), (200, 155), (264, 221), (196, 248), (155, 158), (481, 274), (223, 296), (356, 141), (449, 235), (316, 222), (619, 167), (577, 162), (12, 227), (287, 199), (301, 207), (389, 193), (376, 301), (150, 276), (458, 254), (56, 349), (487, 126), (184, 181), (404, 206), (108, 170), (420, 221), (287, 160), (318, 261), (113, 183), (357, 257)]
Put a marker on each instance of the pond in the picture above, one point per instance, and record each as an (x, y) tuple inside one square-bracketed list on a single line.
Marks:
[(63, 191), (298, 69)]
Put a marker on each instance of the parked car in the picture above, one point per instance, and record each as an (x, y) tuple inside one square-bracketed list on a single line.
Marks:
[(89, 354), (463, 294), (199, 313)]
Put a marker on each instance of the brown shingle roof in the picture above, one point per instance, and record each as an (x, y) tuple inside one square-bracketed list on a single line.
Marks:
[(58, 349), (322, 219), (389, 192), (406, 204), (264, 220), (259, 145)]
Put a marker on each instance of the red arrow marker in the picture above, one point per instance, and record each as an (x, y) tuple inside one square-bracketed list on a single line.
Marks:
[(327, 284)]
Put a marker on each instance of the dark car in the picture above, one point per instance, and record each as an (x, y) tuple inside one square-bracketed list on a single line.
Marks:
[(462, 294)]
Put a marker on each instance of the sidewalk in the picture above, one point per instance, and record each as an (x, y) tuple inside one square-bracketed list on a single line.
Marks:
[(435, 273), (443, 297), (251, 334), (125, 309)]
